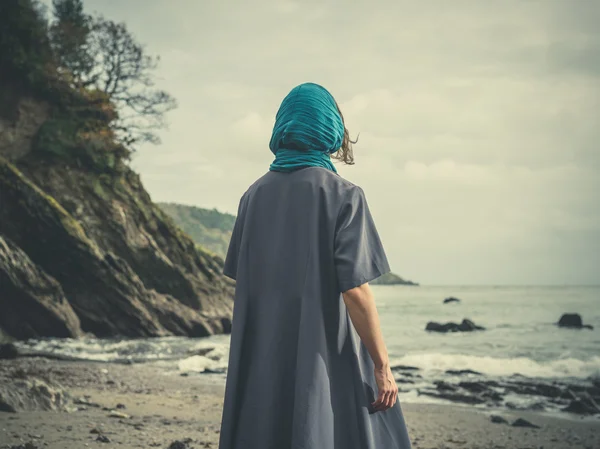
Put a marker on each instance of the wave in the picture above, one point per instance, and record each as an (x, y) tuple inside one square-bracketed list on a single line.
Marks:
[(567, 367)]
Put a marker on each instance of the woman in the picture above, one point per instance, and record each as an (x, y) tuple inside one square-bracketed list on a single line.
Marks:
[(308, 368)]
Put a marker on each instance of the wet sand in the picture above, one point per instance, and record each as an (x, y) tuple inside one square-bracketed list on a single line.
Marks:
[(146, 405)]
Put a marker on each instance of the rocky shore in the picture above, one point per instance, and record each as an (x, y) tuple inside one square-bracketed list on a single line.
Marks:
[(80, 404)]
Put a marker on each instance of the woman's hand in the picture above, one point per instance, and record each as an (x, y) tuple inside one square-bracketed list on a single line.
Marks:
[(387, 389)]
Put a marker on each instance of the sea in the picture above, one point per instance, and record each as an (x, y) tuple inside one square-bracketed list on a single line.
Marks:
[(521, 340)]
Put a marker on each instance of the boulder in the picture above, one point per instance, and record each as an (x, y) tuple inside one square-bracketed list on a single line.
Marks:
[(31, 394), (465, 326), (451, 299), (572, 321), (32, 302)]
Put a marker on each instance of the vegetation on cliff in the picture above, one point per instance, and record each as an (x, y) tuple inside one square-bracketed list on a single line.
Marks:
[(208, 227)]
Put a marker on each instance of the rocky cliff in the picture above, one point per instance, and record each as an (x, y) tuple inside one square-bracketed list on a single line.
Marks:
[(86, 251)]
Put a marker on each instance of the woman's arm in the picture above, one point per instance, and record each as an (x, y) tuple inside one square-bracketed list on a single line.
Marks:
[(360, 303)]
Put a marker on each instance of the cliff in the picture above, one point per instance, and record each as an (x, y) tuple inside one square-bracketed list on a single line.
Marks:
[(83, 249)]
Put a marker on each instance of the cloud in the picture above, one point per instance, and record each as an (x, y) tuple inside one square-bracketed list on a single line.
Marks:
[(478, 146)]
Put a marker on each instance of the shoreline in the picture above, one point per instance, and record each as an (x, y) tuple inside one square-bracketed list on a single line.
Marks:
[(146, 405)]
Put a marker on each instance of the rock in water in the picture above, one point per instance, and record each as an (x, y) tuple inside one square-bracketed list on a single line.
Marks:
[(451, 299), (465, 326), (468, 326), (573, 321)]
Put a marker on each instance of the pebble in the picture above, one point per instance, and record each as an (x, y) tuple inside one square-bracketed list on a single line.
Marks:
[(497, 419), (520, 422), (103, 439)]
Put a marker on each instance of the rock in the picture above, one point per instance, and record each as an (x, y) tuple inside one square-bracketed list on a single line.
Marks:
[(455, 397), (214, 371), (474, 387), (226, 323), (583, 406), (572, 321), (444, 386), (31, 394), (465, 326), (103, 439), (460, 372), (181, 444), (496, 419), (8, 351), (468, 326), (28, 445), (520, 422), (405, 368), (451, 299), (32, 303), (95, 430), (115, 414), (100, 247), (534, 388), (199, 351), (120, 406), (85, 401)]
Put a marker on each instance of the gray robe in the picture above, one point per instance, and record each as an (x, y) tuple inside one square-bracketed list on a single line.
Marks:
[(299, 377)]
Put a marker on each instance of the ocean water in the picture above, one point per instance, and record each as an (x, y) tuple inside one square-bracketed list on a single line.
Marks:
[(521, 335), (521, 338)]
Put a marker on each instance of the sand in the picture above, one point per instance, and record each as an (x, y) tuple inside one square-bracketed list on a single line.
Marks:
[(162, 407)]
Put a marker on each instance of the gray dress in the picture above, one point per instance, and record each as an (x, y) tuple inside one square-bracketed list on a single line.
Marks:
[(299, 377)]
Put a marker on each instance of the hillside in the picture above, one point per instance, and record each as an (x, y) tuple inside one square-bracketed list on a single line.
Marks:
[(207, 227), (212, 230), (392, 279)]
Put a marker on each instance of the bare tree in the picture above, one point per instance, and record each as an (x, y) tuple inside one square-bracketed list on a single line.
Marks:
[(102, 55), (123, 72)]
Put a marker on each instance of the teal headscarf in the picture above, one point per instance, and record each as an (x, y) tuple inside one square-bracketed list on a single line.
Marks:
[(308, 128)]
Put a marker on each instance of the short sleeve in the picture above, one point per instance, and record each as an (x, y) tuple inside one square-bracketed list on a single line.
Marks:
[(231, 259), (358, 252)]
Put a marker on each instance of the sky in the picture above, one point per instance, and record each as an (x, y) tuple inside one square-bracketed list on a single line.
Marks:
[(479, 121)]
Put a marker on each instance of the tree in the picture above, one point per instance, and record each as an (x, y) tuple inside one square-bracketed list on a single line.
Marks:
[(102, 55), (69, 35), (25, 53), (123, 71)]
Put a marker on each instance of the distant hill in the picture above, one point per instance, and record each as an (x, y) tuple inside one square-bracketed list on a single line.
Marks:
[(212, 230), (207, 227), (391, 279)]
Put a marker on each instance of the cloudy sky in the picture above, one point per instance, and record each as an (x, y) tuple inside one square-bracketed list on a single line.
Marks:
[(479, 121)]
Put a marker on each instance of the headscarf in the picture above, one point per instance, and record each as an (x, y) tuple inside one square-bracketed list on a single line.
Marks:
[(308, 128)]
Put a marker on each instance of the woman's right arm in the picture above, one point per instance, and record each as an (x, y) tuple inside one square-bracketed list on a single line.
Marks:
[(360, 303)]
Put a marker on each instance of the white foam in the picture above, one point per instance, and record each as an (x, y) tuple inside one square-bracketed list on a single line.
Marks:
[(568, 367), (198, 363)]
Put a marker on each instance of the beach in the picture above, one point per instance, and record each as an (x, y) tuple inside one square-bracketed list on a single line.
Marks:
[(145, 405)]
